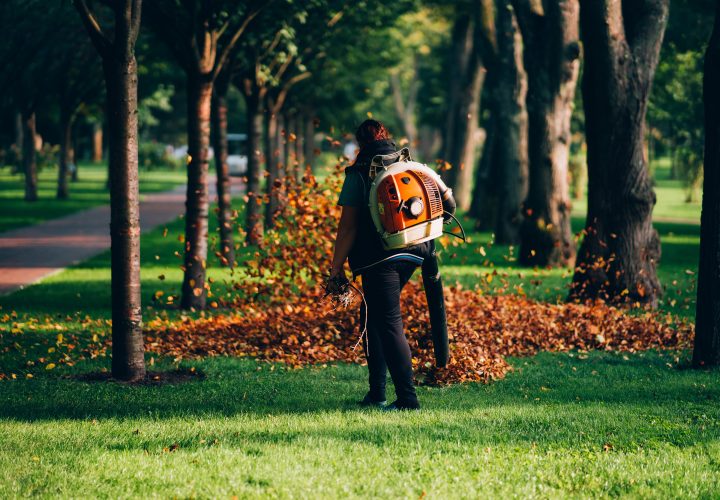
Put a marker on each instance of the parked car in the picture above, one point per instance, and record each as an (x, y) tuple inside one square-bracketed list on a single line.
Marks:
[(237, 154)]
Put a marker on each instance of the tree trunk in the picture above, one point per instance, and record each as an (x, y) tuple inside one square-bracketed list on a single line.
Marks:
[(19, 142), (222, 169), (461, 50), (66, 152), (128, 361), (552, 62), (120, 72), (404, 105), (97, 142), (29, 155), (467, 125), (484, 203), (253, 224), (707, 314), (287, 160), (510, 150), (300, 143), (309, 139), (463, 108), (619, 254), (194, 292), (19, 127), (272, 165), (428, 140)]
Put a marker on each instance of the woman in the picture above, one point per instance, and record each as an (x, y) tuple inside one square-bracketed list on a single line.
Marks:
[(384, 274)]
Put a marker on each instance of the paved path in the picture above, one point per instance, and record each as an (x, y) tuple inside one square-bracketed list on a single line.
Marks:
[(31, 253)]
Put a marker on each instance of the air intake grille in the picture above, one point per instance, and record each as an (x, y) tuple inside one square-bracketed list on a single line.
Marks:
[(434, 200)]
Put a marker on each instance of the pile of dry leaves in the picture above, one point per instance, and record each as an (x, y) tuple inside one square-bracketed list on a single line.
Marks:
[(483, 330)]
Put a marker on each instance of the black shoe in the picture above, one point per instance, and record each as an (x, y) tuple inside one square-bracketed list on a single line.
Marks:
[(398, 406), (369, 401)]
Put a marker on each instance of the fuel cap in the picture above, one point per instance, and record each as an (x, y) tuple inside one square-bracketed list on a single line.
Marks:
[(415, 206)]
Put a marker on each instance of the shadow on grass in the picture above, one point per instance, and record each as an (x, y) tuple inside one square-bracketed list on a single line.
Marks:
[(566, 383)]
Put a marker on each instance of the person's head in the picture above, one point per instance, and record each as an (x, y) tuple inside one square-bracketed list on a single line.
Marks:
[(370, 131)]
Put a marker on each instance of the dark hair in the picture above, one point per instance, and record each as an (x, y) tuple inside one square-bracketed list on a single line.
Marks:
[(370, 131)]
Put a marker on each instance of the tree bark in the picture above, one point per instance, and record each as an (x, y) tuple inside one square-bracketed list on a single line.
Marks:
[(220, 146), (552, 50), (19, 128), (484, 203), (128, 361), (194, 292), (467, 123), (287, 159), (29, 155), (619, 254), (309, 140), (510, 151), (299, 126), (120, 72), (253, 214), (97, 142), (707, 314), (464, 105), (67, 119), (461, 51), (272, 165)]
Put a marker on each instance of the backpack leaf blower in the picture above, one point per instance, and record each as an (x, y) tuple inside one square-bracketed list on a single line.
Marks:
[(409, 202)]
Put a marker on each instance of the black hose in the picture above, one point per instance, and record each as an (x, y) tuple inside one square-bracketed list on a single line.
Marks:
[(459, 225)]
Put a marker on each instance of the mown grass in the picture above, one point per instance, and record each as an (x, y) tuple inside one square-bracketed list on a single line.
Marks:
[(87, 192), (559, 425), (672, 197)]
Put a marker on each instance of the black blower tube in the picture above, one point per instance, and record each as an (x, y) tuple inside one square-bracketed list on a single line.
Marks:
[(448, 200), (436, 305)]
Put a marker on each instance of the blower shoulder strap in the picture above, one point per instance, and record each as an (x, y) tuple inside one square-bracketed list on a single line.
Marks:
[(389, 159), (384, 161)]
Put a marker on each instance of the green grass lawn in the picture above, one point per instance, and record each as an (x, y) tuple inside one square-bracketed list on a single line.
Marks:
[(87, 192), (560, 425), (672, 204)]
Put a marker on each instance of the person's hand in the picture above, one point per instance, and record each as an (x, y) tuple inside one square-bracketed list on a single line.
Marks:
[(337, 271), (337, 284)]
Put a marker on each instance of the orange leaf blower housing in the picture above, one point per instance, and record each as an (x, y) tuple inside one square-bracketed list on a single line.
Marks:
[(406, 200)]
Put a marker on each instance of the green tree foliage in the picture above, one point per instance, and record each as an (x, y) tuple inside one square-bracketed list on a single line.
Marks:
[(675, 113)]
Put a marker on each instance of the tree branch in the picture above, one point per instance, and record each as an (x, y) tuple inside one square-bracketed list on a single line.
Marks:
[(644, 24), (135, 18), (284, 66), (97, 36), (273, 44), (220, 61), (282, 95)]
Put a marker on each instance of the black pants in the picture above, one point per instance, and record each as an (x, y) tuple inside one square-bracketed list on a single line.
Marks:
[(387, 348)]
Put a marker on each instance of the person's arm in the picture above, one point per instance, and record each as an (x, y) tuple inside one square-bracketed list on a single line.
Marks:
[(347, 230)]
